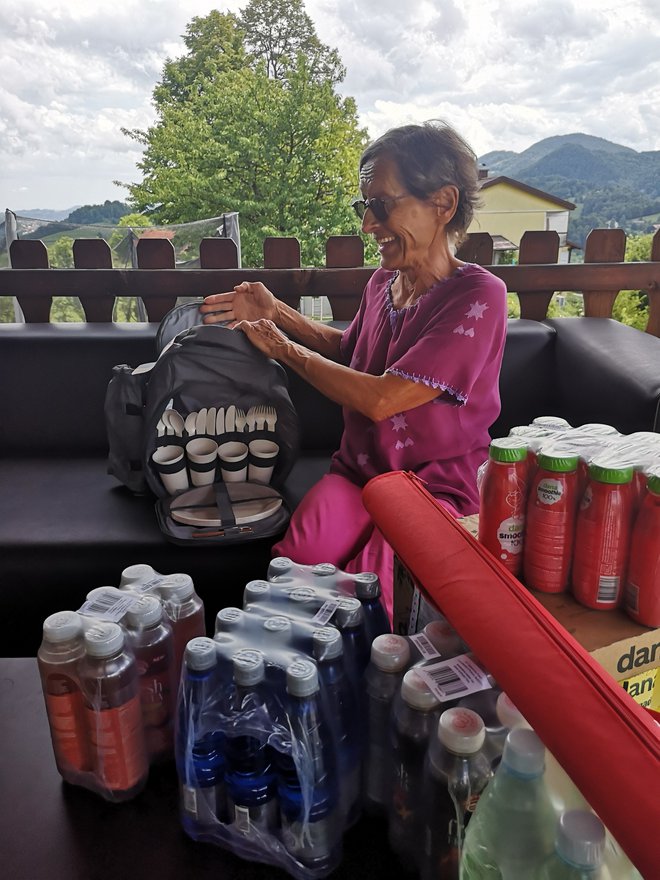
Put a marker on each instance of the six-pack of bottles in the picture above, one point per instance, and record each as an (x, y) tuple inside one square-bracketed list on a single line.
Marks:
[(578, 507)]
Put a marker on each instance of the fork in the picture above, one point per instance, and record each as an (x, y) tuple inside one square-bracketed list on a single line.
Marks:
[(240, 420), (266, 416)]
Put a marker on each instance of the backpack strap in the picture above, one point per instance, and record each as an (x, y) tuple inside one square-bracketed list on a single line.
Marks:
[(223, 504)]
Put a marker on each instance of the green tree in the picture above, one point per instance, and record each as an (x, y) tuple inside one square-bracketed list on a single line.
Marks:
[(282, 150), (632, 306)]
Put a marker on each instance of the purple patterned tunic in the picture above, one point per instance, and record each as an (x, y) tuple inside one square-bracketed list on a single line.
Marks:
[(451, 338)]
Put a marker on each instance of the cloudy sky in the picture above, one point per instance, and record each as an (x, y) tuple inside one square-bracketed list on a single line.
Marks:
[(506, 74)]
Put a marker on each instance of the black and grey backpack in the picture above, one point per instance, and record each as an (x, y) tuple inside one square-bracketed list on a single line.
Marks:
[(209, 428)]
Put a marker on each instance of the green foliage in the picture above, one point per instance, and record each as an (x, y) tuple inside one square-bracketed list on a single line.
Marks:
[(107, 213), (632, 306), (243, 126)]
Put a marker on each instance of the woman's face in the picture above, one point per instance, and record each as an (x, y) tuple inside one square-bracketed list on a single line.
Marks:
[(406, 237)]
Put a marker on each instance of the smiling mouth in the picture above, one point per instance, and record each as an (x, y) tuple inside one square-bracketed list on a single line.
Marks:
[(383, 242)]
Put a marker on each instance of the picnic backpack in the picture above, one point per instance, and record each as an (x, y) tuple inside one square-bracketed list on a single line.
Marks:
[(211, 385)]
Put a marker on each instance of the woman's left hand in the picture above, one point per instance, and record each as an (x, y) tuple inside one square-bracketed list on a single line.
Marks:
[(265, 336)]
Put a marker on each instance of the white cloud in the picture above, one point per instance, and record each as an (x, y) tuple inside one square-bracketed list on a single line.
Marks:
[(505, 73)]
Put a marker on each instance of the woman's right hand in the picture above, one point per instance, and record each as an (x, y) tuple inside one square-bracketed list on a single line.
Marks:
[(249, 301)]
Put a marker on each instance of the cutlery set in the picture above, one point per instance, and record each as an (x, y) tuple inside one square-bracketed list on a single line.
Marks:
[(217, 421)]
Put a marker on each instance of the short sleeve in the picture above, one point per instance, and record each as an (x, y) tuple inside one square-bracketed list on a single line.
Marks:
[(459, 339)]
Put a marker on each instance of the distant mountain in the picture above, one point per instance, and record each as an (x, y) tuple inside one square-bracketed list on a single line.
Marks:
[(608, 183), (45, 213)]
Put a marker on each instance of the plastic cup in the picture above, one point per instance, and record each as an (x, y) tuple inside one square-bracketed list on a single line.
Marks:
[(202, 454), (171, 467), (263, 455), (233, 457)]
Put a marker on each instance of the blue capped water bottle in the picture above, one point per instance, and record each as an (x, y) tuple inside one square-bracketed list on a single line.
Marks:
[(368, 591), (341, 710), (250, 776), (307, 779), (199, 749)]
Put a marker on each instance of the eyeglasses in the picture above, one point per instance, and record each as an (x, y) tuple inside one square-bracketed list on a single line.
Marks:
[(377, 206)]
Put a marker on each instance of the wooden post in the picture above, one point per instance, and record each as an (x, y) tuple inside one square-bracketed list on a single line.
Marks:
[(653, 291), (31, 254), (602, 246), (156, 253), (477, 248), (218, 253), (537, 247), (343, 252), (94, 253), (283, 253)]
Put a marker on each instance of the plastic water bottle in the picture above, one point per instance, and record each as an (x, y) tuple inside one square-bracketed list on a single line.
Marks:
[(307, 780), (550, 522), (341, 711), (199, 742), (415, 715), (579, 848), (512, 830), (602, 537), (250, 776), (185, 610), (642, 594), (150, 638), (256, 591), (140, 578), (110, 686), (349, 620), (61, 648), (485, 703), (456, 771), (503, 495), (390, 657), (229, 620), (368, 591)]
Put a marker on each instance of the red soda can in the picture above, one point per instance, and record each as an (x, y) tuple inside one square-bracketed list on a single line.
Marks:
[(602, 536), (502, 498), (642, 594), (550, 522)]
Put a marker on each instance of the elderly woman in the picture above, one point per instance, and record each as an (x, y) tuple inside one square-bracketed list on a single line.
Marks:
[(417, 369)]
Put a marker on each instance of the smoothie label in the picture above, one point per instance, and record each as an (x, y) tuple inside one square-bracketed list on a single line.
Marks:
[(510, 535), (549, 491)]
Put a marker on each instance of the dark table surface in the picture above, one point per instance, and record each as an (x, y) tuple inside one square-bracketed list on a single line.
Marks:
[(53, 831)]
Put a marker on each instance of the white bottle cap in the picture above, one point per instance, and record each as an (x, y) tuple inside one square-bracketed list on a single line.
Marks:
[(524, 753), (136, 574), (554, 422), (279, 565), (278, 625), (200, 654), (255, 591), (145, 611), (301, 595), (324, 569), (228, 619), (349, 613), (580, 839), (249, 667), (302, 679), (63, 626), (177, 587), (416, 692), (443, 637), (390, 653), (509, 715), (105, 591), (104, 639), (367, 585), (327, 643), (461, 731)]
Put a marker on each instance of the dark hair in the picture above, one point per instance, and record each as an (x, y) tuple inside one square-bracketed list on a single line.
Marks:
[(428, 157)]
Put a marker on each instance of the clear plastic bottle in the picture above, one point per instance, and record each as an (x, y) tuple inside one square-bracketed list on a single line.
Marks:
[(503, 495), (579, 848), (110, 686), (415, 711), (349, 620), (456, 771), (390, 657), (368, 591), (512, 830), (250, 775), (256, 591), (140, 578), (485, 703), (341, 711), (307, 779), (150, 638), (61, 648), (229, 620), (199, 745), (185, 611)]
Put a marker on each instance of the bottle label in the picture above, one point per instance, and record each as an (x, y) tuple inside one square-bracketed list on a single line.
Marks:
[(453, 678), (107, 606), (189, 797), (425, 646), (151, 584), (67, 725), (549, 491), (510, 535), (608, 589), (325, 612), (117, 741), (631, 600)]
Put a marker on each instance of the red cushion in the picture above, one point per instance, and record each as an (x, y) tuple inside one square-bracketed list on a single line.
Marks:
[(605, 741)]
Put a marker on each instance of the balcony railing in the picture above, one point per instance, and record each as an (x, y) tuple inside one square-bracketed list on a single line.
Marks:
[(534, 280)]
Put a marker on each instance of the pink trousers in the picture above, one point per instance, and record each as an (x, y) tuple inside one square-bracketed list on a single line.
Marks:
[(331, 525)]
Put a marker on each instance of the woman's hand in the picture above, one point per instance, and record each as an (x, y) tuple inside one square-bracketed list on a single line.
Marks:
[(249, 301), (265, 336)]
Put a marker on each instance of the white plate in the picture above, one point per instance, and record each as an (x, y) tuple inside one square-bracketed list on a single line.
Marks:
[(250, 503), (201, 421)]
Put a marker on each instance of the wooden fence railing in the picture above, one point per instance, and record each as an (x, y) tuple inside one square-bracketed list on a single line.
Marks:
[(536, 277)]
